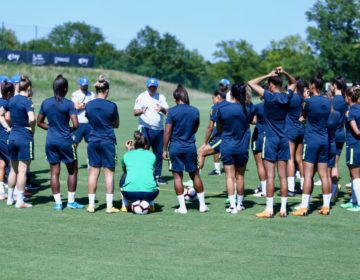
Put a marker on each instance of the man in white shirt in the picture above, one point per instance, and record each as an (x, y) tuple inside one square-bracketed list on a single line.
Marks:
[(151, 107), (80, 98)]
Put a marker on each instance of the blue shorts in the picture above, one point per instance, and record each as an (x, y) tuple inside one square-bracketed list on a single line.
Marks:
[(183, 161), (21, 149), (215, 144), (316, 152), (331, 160), (353, 155), (133, 196), (276, 148), (83, 131), (102, 154), (4, 151), (295, 136), (257, 142), (239, 160), (60, 152), (339, 147)]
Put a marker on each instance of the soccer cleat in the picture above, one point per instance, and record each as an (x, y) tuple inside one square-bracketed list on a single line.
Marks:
[(112, 210), (74, 205), (23, 205), (259, 194), (232, 210), (291, 193), (317, 183), (325, 210), (151, 208), (180, 211), (347, 205), (203, 209), (90, 208), (355, 208), (10, 201), (3, 196), (161, 181), (125, 209), (58, 206), (32, 187), (282, 213), (348, 185), (265, 214), (240, 207), (300, 212), (214, 172)]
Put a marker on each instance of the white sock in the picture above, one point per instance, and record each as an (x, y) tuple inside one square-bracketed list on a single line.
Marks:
[(232, 201), (283, 203), (326, 199), (71, 197), (57, 198), (16, 190), (356, 183), (305, 201), (291, 184), (240, 199), (125, 202), (217, 166), (201, 198), (2, 189), (302, 179), (109, 200), (353, 195), (20, 198), (263, 187), (11, 193), (181, 201), (91, 197), (270, 204)]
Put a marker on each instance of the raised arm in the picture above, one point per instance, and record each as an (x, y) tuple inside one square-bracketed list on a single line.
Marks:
[(254, 84), (291, 79)]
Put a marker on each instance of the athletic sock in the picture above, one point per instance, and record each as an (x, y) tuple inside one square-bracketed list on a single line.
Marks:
[(283, 203), (302, 179), (263, 187), (217, 166), (270, 204), (201, 198), (240, 199), (326, 200), (125, 202), (181, 201), (20, 198), (57, 198), (232, 201), (356, 183), (353, 195), (2, 189), (71, 197), (91, 197), (109, 200), (291, 184), (305, 201)]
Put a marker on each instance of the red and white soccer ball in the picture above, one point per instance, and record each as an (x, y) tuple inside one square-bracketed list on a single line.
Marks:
[(140, 207), (190, 193)]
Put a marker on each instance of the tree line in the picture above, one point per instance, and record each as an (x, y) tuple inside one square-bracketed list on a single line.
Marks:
[(332, 47)]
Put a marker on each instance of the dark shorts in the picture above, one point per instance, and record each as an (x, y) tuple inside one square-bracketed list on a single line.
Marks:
[(353, 154), (102, 154), (339, 147), (133, 196), (239, 160), (257, 144), (215, 144), (331, 160), (21, 149), (315, 152), (296, 137), (180, 162), (275, 148), (4, 151), (60, 152), (82, 132)]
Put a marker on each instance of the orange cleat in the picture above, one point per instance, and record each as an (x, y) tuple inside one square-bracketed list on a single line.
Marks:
[(265, 214), (325, 210), (300, 212)]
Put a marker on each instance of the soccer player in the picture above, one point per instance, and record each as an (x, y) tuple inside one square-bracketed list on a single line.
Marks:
[(316, 146), (103, 117), (15, 79), (138, 181), (59, 146), (21, 141), (181, 125), (80, 98), (233, 122), (150, 107), (276, 143), (7, 91)]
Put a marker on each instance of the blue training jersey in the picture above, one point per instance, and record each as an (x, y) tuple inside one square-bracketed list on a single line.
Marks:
[(340, 106), (213, 116), (332, 124), (19, 106), (3, 134), (354, 115), (276, 109), (295, 110), (184, 119), (101, 114), (58, 115)]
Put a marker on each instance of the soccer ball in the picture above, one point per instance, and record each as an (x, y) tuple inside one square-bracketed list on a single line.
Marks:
[(140, 207), (190, 193)]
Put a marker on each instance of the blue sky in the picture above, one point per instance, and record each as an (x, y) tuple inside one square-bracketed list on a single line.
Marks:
[(199, 24)]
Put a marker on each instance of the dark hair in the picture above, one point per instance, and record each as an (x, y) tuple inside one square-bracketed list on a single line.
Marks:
[(60, 87), (275, 80), (101, 85), (340, 83), (139, 140), (180, 94), (317, 81), (238, 92), (7, 89), (301, 85), (219, 93), (24, 83)]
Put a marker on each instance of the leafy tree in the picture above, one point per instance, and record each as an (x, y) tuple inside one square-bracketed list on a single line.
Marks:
[(8, 39)]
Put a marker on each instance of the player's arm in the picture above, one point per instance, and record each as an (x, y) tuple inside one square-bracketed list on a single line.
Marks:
[(355, 128), (254, 120), (209, 131), (41, 122), (291, 79), (167, 134), (31, 117), (3, 121), (255, 83), (75, 122)]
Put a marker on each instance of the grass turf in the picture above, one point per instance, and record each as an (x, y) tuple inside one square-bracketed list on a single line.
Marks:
[(41, 243)]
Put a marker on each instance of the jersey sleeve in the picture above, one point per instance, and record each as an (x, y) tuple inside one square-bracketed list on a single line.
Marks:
[(268, 97), (169, 118), (42, 110), (115, 115), (213, 113), (351, 116), (29, 106), (72, 110)]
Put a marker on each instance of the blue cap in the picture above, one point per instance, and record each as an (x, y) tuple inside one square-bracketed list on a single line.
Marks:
[(15, 79), (83, 81), (3, 78), (152, 82), (224, 82)]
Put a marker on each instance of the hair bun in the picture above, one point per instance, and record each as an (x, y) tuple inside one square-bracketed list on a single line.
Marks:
[(101, 79), (23, 77)]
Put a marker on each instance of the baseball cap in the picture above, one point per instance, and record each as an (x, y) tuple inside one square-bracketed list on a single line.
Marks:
[(83, 81), (15, 79), (224, 82), (3, 78), (152, 82)]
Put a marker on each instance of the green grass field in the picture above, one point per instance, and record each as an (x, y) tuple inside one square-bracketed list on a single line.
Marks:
[(41, 243)]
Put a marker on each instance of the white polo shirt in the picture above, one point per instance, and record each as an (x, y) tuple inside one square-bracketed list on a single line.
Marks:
[(152, 118), (79, 97)]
